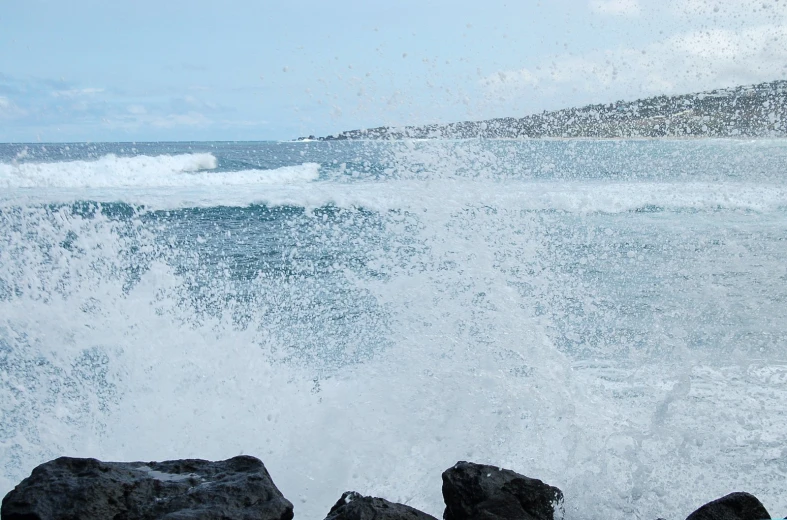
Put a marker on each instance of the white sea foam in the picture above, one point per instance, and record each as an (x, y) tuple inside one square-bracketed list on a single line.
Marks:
[(168, 477), (101, 370), (679, 397), (143, 171), (286, 187)]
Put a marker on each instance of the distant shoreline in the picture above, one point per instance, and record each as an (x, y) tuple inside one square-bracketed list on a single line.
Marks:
[(328, 139), (744, 112)]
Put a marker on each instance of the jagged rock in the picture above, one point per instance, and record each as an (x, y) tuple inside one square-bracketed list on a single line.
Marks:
[(480, 492), (354, 506), (735, 506), (88, 489)]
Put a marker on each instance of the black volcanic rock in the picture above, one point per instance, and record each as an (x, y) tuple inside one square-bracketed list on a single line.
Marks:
[(88, 489), (735, 506), (354, 506), (480, 492)]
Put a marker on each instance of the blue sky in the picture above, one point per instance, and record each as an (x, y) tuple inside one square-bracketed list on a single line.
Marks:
[(89, 70)]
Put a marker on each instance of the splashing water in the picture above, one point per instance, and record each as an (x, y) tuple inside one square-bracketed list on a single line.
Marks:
[(604, 315)]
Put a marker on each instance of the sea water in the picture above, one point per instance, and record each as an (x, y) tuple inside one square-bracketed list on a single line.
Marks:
[(607, 316)]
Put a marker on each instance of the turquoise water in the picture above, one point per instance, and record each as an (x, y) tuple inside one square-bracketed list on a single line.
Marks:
[(607, 316)]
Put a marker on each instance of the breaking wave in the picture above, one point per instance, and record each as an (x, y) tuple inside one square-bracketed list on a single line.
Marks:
[(111, 171), (619, 338)]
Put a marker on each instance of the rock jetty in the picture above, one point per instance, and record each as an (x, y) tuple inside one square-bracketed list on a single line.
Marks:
[(241, 488)]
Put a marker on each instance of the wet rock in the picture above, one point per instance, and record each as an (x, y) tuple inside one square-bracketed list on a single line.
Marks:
[(735, 506), (88, 489), (354, 506), (480, 492)]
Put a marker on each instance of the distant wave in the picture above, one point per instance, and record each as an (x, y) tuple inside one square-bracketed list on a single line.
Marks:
[(111, 171), (191, 180), (559, 196)]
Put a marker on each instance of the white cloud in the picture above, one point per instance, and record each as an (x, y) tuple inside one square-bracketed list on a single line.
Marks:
[(76, 92), (137, 117), (739, 10), (688, 62), (173, 120), (136, 109), (497, 84), (9, 110), (616, 7)]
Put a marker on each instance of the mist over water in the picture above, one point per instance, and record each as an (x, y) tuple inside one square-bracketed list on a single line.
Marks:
[(607, 316)]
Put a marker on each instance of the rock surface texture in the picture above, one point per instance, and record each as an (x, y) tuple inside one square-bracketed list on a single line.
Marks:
[(735, 506), (88, 489), (240, 488), (480, 492), (354, 506)]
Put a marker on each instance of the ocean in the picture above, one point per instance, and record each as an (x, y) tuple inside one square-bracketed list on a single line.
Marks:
[(609, 316)]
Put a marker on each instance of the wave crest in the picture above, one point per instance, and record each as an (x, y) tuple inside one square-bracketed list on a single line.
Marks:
[(111, 171)]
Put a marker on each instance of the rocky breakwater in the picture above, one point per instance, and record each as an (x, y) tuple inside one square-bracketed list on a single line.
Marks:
[(88, 489), (241, 488)]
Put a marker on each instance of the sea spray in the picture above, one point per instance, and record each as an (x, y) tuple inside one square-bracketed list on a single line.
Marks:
[(604, 315)]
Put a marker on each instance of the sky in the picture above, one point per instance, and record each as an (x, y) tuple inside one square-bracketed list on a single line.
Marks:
[(176, 70)]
